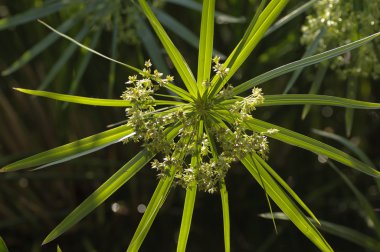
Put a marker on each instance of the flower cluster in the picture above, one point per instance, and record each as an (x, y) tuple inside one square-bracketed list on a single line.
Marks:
[(345, 21), (219, 69), (192, 154)]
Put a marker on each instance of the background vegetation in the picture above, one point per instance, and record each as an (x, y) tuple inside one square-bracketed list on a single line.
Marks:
[(32, 203)]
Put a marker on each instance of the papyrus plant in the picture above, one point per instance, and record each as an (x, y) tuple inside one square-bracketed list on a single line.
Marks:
[(202, 130)]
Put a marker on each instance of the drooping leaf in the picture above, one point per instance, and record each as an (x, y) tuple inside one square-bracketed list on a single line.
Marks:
[(284, 185), (89, 49), (325, 100), (283, 201), (302, 141), (343, 232), (72, 150), (101, 194), (88, 100)]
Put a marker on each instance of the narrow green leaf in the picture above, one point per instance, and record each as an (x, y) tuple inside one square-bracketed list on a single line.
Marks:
[(301, 63), (191, 192), (180, 30), (176, 57), (206, 44), (252, 37), (283, 201), (88, 100), (39, 47), (301, 99), (62, 60), (187, 215), (343, 232), (315, 86), (87, 48), (368, 212), (58, 249), (101, 194), (299, 140), (155, 203), (3, 246), (30, 15), (226, 217), (289, 17), (289, 190), (77, 99), (72, 150), (310, 50)]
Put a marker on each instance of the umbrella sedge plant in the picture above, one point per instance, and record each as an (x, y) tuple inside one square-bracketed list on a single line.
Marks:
[(201, 130)]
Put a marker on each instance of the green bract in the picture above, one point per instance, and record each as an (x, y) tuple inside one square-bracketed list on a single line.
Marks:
[(202, 128)]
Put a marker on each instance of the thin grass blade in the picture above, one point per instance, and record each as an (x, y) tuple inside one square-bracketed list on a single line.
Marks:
[(252, 37), (87, 48), (101, 194), (226, 216), (299, 140), (343, 232), (301, 99), (301, 63), (283, 201), (89, 100), (285, 186), (206, 44), (155, 203), (307, 143), (72, 150), (187, 215), (176, 57)]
